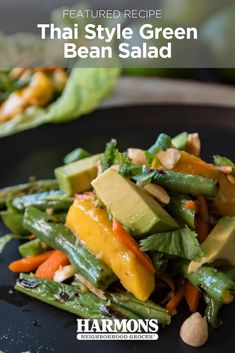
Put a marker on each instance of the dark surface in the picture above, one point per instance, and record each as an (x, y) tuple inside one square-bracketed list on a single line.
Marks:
[(26, 324)]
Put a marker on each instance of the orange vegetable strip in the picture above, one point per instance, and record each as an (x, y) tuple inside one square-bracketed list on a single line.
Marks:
[(168, 280), (175, 301), (190, 204), (132, 244), (192, 296), (202, 227), (29, 264), (201, 163), (48, 268)]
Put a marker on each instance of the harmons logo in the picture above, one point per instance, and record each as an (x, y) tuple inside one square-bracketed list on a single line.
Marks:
[(125, 329)]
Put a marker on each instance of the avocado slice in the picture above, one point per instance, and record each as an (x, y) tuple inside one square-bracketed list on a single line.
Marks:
[(219, 245), (76, 177), (139, 212)]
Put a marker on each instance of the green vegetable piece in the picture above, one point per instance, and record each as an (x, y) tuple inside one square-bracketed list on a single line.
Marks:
[(215, 283), (147, 309), (68, 298), (181, 183), (180, 141), (109, 156), (59, 237), (4, 240), (14, 221), (177, 208), (76, 155), (28, 188), (32, 248), (76, 177), (224, 162), (54, 200), (219, 244), (131, 205), (181, 242), (163, 142), (212, 311), (126, 167)]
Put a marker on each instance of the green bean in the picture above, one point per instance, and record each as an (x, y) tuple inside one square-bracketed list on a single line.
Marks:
[(14, 221), (66, 297), (177, 208), (212, 310), (76, 155), (28, 188), (146, 310), (180, 141), (59, 237), (32, 248), (55, 200), (215, 283), (185, 183)]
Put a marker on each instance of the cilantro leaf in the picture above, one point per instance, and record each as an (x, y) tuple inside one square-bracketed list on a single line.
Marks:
[(112, 156), (126, 167), (181, 242), (144, 176), (109, 154), (163, 142)]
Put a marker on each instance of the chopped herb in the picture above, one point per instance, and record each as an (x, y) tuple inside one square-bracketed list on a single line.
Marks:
[(109, 154), (181, 242)]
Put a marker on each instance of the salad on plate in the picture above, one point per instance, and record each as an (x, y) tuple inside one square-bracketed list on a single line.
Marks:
[(129, 234)]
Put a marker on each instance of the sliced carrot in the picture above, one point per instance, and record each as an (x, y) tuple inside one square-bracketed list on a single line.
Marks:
[(202, 227), (48, 268), (132, 244), (190, 205), (201, 163), (175, 301), (192, 295), (168, 280), (29, 264)]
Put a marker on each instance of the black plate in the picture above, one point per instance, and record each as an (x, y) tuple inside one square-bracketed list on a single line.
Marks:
[(26, 324)]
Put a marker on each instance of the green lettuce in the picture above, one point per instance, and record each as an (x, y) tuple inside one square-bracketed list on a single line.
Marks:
[(85, 89), (181, 242)]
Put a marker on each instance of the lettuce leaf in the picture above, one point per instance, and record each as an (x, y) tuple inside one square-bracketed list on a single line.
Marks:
[(182, 242), (85, 89)]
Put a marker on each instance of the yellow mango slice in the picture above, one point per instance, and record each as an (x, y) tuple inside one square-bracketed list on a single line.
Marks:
[(39, 92), (94, 230), (225, 200)]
